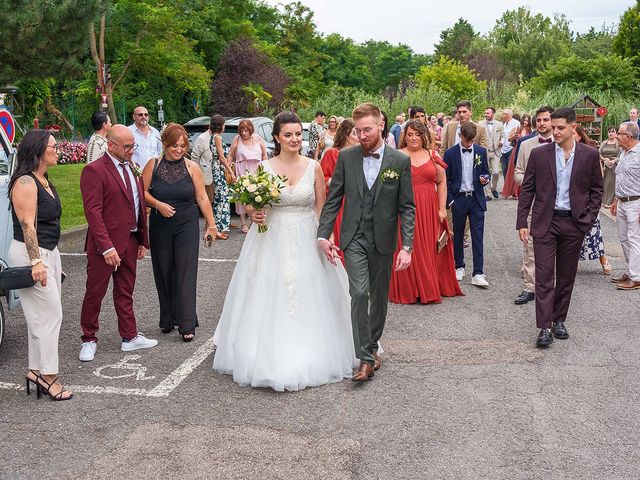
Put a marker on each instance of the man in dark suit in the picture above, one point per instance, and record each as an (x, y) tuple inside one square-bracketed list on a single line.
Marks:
[(113, 200), (375, 182), (467, 174), (563, 181)]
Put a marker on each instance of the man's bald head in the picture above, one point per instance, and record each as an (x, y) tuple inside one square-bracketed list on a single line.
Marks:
[(399, 118), (121, 143)]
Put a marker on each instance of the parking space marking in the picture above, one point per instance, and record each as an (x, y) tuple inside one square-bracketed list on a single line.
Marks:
[(183, 371), (200, 259), (130, 369)]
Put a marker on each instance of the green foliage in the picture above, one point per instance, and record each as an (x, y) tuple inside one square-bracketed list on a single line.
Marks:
[(627, 41), (44, 39), (340, 101), (451, 76), (594, 42), (258, 98), (527, 42), (604, 72), (456, 41), (391, 64), (66, 179), (344, 64)]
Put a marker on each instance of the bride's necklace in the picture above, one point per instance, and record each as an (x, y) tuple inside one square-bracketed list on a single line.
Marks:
[(43, 181)]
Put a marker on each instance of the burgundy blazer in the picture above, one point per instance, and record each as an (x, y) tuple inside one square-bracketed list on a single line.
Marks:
[(107, 208), (539, 188)]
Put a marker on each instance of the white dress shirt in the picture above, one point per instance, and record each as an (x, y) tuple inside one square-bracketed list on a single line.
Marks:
[(371, 166), (466, 182), (149, 146), (563, 173), (508, 128)]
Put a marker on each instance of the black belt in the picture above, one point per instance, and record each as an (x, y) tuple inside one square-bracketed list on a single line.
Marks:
[(629, 199), (562, 213), (465, 194)]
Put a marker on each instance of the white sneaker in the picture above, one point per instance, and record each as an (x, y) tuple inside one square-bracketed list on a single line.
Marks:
[(480, 280), (459, 273), (88, 351), (140, 341)]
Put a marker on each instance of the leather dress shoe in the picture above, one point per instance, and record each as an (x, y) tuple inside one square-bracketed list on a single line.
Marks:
[(364, 373), (524, 297), (544, 338), (560, 331), (377, 361), (629, 285), (622, 278), (494, 193)]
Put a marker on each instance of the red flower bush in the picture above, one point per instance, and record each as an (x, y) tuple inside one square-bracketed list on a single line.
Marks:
[(72, 152)]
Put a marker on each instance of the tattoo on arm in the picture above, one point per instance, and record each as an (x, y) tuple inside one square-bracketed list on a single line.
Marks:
[(25, 180), (30, 240)]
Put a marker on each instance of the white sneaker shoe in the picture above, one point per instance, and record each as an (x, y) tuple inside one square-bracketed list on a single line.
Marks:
[(459, 273), (480, 280), (140, 341), (88, 351)]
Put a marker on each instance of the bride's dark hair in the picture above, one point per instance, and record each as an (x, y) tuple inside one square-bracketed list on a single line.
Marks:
[(281, 119)]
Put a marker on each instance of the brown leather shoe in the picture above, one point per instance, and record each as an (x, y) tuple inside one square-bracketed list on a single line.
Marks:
[(622, 278), (377, 361), (364, 373), (628, 285)]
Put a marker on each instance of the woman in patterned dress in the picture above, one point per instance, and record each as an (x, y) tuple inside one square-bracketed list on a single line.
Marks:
[(221, 207)]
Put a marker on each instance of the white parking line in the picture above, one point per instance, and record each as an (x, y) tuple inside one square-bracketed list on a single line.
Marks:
[(200, 259)]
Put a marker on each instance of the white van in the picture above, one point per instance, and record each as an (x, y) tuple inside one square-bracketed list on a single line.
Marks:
[(7, 161)]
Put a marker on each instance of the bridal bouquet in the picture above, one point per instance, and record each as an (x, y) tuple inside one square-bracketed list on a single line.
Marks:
[(258, 190)]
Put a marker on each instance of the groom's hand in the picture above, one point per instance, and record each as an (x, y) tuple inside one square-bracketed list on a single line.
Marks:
[(329, 249), (403, 260)]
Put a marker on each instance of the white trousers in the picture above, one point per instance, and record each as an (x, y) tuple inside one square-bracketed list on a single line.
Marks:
[(628, 221), (42, 307)]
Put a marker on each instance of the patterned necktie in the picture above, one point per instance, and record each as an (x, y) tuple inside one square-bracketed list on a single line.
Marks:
[(127, 182)]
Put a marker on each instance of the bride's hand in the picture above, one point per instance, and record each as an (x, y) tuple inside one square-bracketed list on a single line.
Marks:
[(259, 217), (329, 249)]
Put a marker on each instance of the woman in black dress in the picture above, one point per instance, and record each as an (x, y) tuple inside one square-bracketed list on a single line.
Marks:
[(173, 186)]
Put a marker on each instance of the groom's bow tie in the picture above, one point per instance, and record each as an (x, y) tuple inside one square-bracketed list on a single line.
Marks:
[(371, 154), (467, 150)]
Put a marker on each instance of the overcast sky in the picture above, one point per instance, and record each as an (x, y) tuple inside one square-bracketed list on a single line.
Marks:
[(418, 23)]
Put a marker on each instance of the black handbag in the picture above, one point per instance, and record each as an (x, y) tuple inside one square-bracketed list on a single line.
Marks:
[(14, 278)]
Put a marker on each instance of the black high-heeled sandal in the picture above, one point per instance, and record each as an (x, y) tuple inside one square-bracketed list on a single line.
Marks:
[(58, 397), (167, 330), (29, 381), (188, 337)]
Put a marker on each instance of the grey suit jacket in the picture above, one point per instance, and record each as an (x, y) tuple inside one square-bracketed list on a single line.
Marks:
[(393, 198)]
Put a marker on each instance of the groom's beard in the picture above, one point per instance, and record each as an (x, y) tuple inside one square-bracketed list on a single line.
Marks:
[(369, 145)]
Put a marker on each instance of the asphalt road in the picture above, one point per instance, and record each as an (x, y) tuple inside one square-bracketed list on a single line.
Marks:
[(463, 393)]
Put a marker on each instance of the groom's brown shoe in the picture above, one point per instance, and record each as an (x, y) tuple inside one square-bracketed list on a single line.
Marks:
[(377, 361), (364, 373)]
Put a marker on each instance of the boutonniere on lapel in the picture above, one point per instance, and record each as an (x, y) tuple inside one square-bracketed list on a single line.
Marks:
[(389, 174), (135, 169), (477, 161)]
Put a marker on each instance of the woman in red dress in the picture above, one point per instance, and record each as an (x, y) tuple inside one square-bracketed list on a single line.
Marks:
[(510, 187), (431, 275), (345, 137)]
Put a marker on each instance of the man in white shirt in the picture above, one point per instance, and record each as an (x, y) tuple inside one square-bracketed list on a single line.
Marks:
[(146, 137), (510, 124)]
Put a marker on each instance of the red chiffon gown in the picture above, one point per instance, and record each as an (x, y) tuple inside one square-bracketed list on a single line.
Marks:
[(431, 275), (328, 165), (510, 187)]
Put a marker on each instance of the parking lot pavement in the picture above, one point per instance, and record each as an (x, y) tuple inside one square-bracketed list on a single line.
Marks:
[(463, 392)]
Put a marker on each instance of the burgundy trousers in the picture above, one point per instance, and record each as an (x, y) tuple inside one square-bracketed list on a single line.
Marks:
[(124, 279), (556, 254)]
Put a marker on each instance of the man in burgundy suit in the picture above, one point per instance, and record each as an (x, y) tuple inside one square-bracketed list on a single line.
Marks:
[(563, 181), (113, 199)]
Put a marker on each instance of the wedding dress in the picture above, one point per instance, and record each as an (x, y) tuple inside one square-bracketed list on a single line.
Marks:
[(286, 320)]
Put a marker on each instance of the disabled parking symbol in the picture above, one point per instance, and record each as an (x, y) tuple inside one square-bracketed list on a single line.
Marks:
[(124, 369)]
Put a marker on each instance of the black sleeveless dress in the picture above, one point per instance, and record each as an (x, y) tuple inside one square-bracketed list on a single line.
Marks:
[(174, 244)]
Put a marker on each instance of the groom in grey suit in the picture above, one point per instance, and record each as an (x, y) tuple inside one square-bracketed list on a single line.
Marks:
[(375, 182)]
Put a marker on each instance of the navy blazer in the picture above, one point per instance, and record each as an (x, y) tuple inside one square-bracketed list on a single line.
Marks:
[(453, 160)]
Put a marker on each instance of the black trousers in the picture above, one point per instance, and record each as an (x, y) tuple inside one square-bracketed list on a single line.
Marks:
[(174, 244)]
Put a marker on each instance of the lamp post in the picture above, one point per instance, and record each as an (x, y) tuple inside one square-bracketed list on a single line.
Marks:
[(160, 113)]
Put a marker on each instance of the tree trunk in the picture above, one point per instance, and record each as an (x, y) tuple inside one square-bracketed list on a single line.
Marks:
[(97, 53), (52, 109)]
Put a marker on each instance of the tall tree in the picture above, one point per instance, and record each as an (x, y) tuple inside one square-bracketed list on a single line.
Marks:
[(450, 76), (455, 41), (627, 41), (345, 64), (44, 39), (594, 42), (526, 42)]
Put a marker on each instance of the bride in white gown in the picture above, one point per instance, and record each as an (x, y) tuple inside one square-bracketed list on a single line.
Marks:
[(286, 320)]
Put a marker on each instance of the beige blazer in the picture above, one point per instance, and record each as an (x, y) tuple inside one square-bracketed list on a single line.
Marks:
[(449, 136), (495, 138), (523, 157)]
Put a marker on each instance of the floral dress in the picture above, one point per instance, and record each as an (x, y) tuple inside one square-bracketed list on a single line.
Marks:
[(221, 207), (593, 244)]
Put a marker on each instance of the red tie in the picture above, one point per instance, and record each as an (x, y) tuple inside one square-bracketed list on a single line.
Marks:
[(544, 140), (127, 182)]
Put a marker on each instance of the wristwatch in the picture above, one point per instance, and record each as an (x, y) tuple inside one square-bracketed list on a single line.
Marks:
[(36, 261), (408, 249)]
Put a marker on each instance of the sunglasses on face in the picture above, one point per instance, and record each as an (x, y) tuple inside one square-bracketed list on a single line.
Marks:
[(142, 114)]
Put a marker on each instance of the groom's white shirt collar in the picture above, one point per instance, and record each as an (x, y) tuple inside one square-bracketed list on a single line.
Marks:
[(371, 166)]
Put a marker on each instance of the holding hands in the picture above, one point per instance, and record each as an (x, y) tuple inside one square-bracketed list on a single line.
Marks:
[(329, 249)]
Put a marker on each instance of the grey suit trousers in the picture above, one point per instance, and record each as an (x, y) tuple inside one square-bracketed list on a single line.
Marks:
[(369, 277)]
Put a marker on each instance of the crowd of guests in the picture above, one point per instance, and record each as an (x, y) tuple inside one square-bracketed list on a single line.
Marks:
[(136, 173)]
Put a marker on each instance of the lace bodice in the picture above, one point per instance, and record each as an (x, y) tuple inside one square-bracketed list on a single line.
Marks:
[(297, 198), (172, 183)]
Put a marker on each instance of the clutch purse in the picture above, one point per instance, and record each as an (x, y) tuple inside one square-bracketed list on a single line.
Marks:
[(443, 239), (14, 278)]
